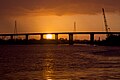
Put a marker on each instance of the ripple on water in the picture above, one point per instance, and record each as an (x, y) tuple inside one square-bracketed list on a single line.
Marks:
[(57, 62)]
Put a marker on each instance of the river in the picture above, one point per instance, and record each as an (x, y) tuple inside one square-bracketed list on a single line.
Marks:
[(59, 62)]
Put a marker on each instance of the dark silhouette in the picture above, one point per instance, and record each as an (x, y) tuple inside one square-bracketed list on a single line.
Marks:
[(112, 40)]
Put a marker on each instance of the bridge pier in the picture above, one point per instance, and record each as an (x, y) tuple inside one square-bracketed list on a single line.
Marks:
[(56, 38), (26, 37), (92, 38), (71, 39), (11, 37), (41, 37)]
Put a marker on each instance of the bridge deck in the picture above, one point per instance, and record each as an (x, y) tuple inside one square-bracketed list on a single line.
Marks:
[(57, 33), (7, 34)]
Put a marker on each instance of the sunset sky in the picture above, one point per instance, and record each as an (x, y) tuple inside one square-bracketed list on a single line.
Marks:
[(58, 15)]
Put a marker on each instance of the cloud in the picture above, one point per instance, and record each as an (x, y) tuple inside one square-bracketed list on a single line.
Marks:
[(56, 7)]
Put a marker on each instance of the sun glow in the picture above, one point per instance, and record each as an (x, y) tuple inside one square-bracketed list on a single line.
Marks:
[(49, 36)]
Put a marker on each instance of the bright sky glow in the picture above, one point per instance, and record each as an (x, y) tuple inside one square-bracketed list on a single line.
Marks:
[(49, 36)]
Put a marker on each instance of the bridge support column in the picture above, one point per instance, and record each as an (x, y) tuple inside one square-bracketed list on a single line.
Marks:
[(11, 37), (71, 39), (56, 38), (92, 38), (41, 37), (26, 37)]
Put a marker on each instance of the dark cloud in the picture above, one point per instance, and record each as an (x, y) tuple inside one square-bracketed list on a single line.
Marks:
[(57, 7)]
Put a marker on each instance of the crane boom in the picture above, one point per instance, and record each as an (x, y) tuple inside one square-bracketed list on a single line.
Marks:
[(74, 26), (15, 28), (105, 20)]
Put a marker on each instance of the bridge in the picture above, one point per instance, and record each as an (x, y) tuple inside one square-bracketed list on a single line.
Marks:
[(57, 33)]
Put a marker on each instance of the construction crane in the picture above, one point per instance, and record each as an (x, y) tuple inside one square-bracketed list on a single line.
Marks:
[(105, 21), (15, 29), (74, 26), (75, 29)]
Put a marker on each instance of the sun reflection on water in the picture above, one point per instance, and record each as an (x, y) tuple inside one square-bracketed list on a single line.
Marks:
[(48, 65), (49, 79)]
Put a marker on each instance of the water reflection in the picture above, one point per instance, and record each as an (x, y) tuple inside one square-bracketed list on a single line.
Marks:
[(48, 64), (56, 62), (79, 65)]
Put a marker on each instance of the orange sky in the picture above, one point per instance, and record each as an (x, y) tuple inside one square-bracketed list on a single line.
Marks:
[(63, 23), (58, 15)]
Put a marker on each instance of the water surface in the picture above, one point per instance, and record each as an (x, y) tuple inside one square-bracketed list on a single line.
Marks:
[(59, 62)]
